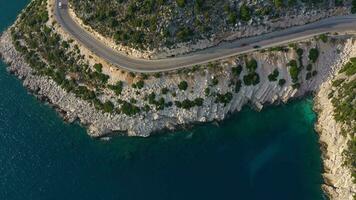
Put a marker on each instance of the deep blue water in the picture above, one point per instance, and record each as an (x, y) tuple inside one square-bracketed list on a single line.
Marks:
[(273, 154)]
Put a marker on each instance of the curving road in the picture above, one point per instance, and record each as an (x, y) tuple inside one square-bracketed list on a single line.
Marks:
[(223, 50)]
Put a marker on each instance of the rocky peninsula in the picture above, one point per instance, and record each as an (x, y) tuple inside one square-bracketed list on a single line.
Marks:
[(109, 100)]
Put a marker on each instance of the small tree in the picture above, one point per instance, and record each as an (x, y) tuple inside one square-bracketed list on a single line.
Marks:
[(180, 3), (251, 65), (98, 67), (281, 82), (313, 54), (245, 12), (183, 85), (108, 107), (236, 71)]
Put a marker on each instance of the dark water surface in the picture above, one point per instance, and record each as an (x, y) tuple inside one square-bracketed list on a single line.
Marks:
[(269, 155)]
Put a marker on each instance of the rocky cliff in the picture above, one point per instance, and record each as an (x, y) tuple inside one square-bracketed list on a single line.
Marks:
[(265, 92)]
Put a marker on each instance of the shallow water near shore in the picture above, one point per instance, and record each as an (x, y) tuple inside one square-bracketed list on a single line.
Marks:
[(273, 154)]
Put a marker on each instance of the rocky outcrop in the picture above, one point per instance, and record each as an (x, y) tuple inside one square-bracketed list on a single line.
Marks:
[(338, 178), (100, 124), (333, 55)]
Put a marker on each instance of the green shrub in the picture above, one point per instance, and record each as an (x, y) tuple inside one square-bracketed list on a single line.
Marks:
[(152, 98), (300, 52), (273, 76), (323, 38), (117, 88), (245, 12), (198, 101), (296, 85), (108, 107), (224, 98), (188, 104), (98, 67), (214, 81), (251, 79), (164, 90), (183, 85), (314, 73), (281, 82), (309, 67), (139, 84), (313, 55), (238, 86), (129, 109), (353, 8), (236, 71), (293, 70), (338, 82), (232, 17), (207, 91), (184, 34), (180, 3), (308, 76), (251, 65), (278, 3), (350, 68)]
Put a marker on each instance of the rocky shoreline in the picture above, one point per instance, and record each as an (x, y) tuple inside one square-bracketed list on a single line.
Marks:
[(338, 180), (100, 124)]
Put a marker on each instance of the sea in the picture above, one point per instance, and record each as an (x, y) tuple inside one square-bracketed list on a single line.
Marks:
[(271, 155)]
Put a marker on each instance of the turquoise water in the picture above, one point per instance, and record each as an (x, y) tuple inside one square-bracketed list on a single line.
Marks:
[(269, 155)]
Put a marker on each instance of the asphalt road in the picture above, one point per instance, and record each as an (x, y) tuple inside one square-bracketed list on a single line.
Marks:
[(223, 50)]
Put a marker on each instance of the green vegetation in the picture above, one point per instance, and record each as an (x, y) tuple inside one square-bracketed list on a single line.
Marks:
[(98, 67), (343, 100), (349, 69), (251, 65), (129, 109), (108, 107), (300, 53), (139, 84), (308, 76), (159, 103), (238, 86), (281, 82), (117, 88), (313, 54), (148, 24), (324, 38), (49, 56), (273, 76), (180, 3), (294, 70), (188, 104), (278, 3), (353, 8), (184, 34), (236, 71), (214, 81), (309, 67), (164, 90), (183, 85), (252, 78), (224, 98), (245, 12), (207, 91)]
